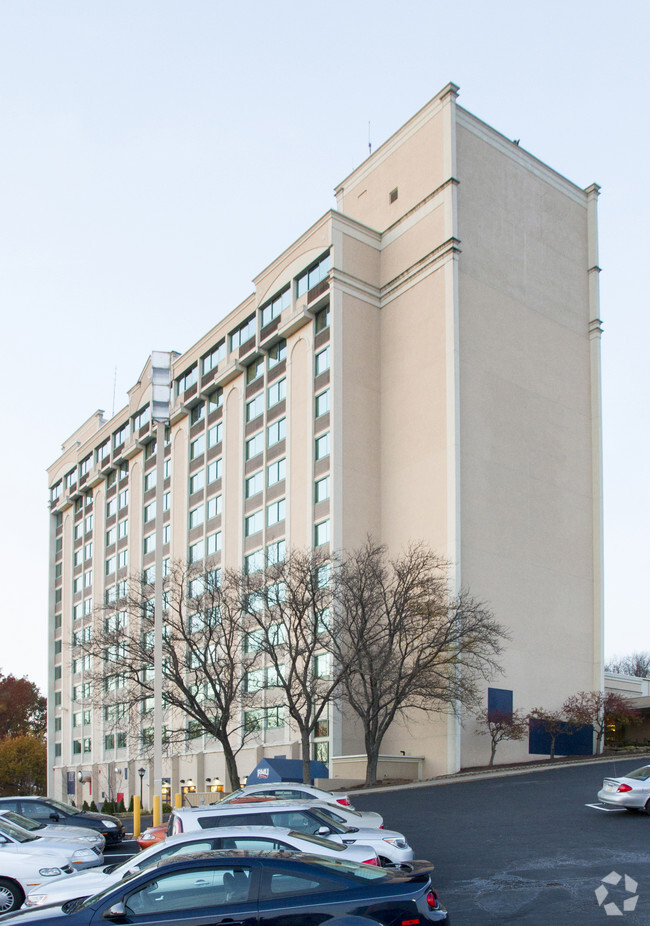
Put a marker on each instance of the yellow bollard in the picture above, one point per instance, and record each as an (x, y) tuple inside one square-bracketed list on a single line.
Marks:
[(136, 816), (157, 816), (178, 800)]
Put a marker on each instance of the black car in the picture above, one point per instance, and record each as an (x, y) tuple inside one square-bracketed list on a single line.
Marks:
[(46, 810), (253, 889)]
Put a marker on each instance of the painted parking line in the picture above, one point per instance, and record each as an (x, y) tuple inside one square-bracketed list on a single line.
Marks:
[(606, 809)]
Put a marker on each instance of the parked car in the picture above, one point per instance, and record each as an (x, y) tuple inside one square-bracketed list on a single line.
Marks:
[(47, 810), (631, 791), (337, 812), (390, 846), (15, 839), (249, 838), (254, 889), (288, 791), (20, 871), (58, 833)]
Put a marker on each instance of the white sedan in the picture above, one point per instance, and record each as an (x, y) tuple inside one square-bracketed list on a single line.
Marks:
[(287, 791), (67, 836), (251, 838), (21, 872), (14, 839)]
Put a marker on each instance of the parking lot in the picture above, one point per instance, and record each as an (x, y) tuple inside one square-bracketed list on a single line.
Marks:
[(524, 848)]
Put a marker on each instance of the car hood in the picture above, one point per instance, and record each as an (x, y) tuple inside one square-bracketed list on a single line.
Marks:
[(34, 850), (91, 815), (82, 884), (366, 832), (34, 914), (71, 832)]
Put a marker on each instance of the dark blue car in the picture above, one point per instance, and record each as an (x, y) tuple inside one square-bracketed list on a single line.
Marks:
[(251, 888)]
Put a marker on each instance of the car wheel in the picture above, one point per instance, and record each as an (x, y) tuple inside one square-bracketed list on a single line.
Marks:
[(11, 895), (647, 807)]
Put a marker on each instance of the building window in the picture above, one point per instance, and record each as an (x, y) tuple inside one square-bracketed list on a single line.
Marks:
[(274, 718), (86, 463), (55, 491), (313, 275), (277, 353), (197, 447), (88, 524), (276, 471), (254, 369), (87, 744), (255, 407), (276, 306), (110, 565), (196, 552), (122, 559), (253, 562), (214, 358), (277, 391), (322, 446), (121, 740), (215, 400), (243, 333), (70, 479), (103, 451), (196, 516), (214, 507), (275, 512), (197, 413), (214, 435), (57, 750), (213, 543), (254, 523), (150, 480), (141, 418), (120, 435), (254, 680), (322, 403), (214, 470), (111, 534), (322, 489), (187, 380), (254, 445), (254, 484), (111, 507), (276, 552), (122, 529), (322, 361), (197, 481), (149, 544), (109, 741), (322, 665), (252, 720), (149, 512), (76, 747), (123, 499), (276, 432), (322, 752), (322, 533)]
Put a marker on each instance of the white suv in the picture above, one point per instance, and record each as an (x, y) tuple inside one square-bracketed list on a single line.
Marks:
[(390, 846)]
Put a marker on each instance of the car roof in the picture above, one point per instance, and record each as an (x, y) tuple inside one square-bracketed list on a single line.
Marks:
[(253, 807)]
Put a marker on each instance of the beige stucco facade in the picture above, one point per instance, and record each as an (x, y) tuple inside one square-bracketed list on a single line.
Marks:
[(463, 373)]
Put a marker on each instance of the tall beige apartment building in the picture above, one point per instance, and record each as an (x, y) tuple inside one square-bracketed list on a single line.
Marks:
[(423, 363)]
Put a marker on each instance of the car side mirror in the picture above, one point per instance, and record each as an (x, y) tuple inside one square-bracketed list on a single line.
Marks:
[(116, 912), (323, 831), (55, 817)]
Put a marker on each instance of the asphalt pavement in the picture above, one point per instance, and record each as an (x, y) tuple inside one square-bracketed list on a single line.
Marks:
[(526, 848)]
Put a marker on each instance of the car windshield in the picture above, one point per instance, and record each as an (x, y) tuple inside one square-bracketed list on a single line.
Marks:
[(348, 810), (327, 820), (62, 808), (354, 869), (24, 822), (89, 901), (639, 774), (318, 841), (15, 832)]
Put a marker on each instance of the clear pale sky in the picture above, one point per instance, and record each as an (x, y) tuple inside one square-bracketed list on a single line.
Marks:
[(156, 155)]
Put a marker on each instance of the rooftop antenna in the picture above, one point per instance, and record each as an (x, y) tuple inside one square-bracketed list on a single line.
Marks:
[(369, 142), (114, 385)]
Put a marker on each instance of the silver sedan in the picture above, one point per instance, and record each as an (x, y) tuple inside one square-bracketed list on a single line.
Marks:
[(631, 791)]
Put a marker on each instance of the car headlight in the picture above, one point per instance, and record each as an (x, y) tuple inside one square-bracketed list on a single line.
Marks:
[(109, 824), (84, 855), (35, 900), (49, 872), (398, 843), (147, 835)]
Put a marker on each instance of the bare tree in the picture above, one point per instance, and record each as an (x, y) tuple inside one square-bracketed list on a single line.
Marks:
[(637, 663), (405, 643), (500, 726), (599, 709), (291, 623), (554, 723), (203, 666)]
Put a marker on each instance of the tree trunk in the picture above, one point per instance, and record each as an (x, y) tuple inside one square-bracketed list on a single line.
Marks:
[(493, 753), (372, 754), (232, 775), (306, 763), (553, 738)]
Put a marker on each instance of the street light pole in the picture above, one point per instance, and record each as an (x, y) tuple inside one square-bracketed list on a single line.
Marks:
[(141, 772)]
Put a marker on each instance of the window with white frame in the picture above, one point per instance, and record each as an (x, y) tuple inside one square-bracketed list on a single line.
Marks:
[(322, 361), (322, 446), (322, 403), (322, 533)]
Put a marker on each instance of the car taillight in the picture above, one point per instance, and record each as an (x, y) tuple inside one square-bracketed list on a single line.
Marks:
[(344, 801), (411, 922), (432, 899), (371, 861), (624, 788), (381, 826)]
